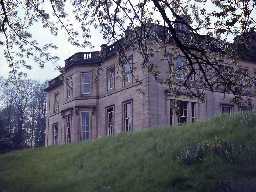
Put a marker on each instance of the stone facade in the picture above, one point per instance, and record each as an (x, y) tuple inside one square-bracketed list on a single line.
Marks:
[(90, 99)]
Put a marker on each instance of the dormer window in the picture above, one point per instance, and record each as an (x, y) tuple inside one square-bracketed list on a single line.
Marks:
[(86, 83)]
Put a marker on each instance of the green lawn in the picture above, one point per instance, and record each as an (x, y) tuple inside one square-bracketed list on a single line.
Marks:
[(203, 157)]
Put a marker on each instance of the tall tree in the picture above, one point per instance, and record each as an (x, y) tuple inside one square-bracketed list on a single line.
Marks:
[(24, 111), (6, 143)]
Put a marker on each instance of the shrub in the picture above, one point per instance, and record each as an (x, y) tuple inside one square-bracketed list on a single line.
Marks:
[(226, 150)]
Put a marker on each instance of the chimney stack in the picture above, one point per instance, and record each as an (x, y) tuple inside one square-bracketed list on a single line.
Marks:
[(103, 50)]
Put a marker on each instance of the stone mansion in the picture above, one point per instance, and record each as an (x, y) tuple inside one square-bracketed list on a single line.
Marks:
[(95, 97)]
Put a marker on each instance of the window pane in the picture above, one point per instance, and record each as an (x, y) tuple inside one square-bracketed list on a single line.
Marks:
[(182, 111), (226, 108), (56, 103), (86, 83), (180, 67), (193, 111), (86, 88), (55, 133), (180, 62), (87, 77), (127, 116), (110, 79), (110, 120), (127, 70), (68, 128), (85, 125), (69, 87)]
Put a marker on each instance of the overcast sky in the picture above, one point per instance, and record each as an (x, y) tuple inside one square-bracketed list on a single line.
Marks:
[(65, 50)]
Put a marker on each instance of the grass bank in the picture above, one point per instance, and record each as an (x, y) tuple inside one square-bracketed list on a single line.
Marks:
[(207, 156)]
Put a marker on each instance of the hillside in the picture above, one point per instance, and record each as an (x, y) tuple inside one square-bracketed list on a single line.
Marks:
[(218, 155)]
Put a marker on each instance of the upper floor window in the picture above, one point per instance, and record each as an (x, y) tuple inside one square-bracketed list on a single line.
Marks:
[(127, 66), (110, 79), (254, 75), (49, 106), (56, 104), (127, 116), (69, 87), (86, 83), (180, 66), (227, 108)]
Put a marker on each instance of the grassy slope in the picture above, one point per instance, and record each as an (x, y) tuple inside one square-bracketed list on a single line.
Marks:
[(145, 161)]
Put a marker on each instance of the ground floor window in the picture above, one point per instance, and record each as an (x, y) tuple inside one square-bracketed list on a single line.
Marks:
[(85, 125), (227, 108), (243, 108), (110, 114), (182, 111), (172, 110), (55, 133), (127, 116), (68, 128), (193, 111)]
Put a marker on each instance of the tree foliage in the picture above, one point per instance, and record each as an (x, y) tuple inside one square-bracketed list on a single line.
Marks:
[(197, 28)]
